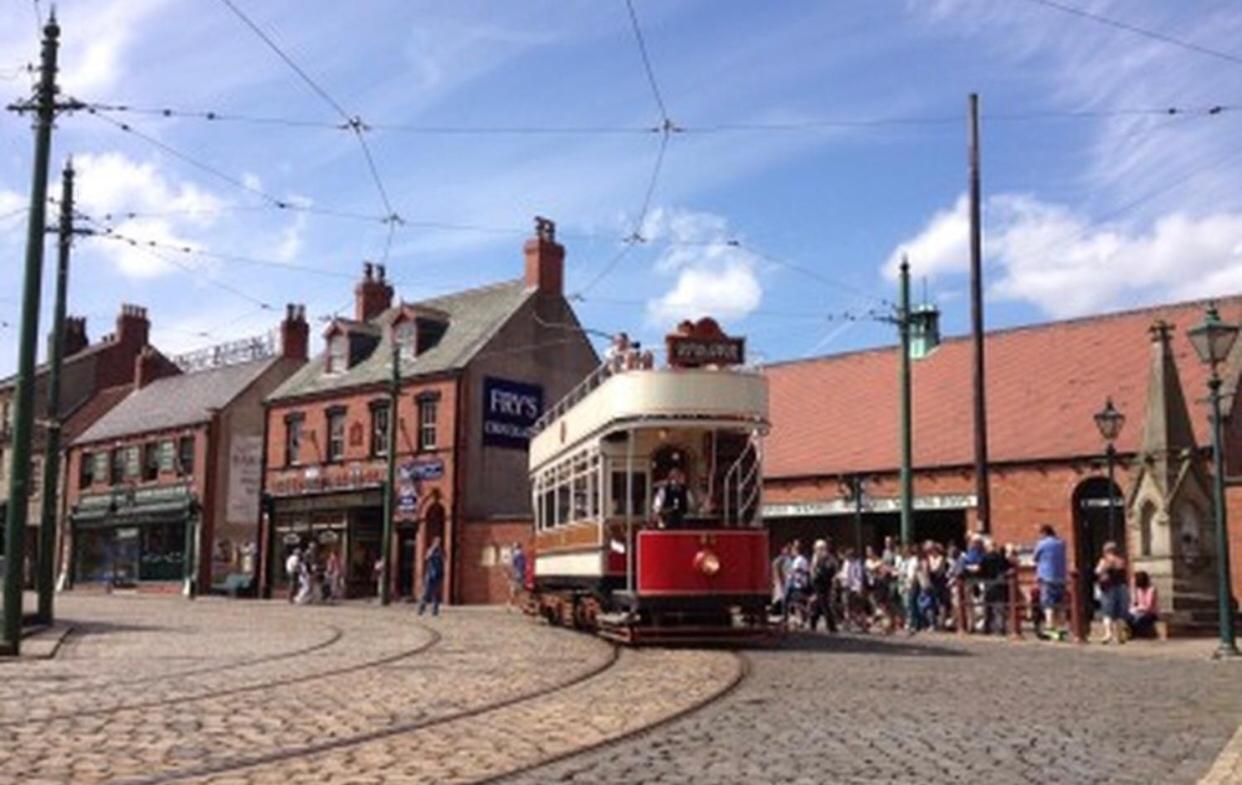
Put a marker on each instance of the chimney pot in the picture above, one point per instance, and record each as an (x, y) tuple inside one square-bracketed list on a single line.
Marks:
[(545, 259), (371, 297), (295, 334)]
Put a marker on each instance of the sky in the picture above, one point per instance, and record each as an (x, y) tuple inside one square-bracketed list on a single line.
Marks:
[(812, 145)]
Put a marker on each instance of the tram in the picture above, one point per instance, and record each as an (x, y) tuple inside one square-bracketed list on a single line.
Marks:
[(646, 485)]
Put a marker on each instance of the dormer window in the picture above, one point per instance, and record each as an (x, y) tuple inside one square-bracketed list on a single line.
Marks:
[(338, 353), (405, 333)]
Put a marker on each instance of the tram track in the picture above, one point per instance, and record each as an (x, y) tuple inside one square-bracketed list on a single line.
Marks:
[(434, 638), (74, 637), (745, 668), (379, 734)]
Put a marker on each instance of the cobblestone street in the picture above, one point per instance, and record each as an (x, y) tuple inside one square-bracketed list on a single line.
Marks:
[(158, 690)]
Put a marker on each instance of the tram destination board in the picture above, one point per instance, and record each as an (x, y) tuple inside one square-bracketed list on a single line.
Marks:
[(692, 352)]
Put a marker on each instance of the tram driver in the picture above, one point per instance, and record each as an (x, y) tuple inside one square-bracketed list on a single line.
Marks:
[(672, 500)]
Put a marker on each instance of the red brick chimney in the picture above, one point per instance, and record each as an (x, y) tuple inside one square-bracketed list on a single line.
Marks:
[(545, 259), (148, 366), (295, 334), (373, 294), (132, 326), (75, 337)]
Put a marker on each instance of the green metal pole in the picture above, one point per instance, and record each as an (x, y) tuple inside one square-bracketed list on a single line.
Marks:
[(1224, 589), (390, 486), (907, 457), (856, 489), (23, 412), (190, 567), (45, 573), (1111, 453)]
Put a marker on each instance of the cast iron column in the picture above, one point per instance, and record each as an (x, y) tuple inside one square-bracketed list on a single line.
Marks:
[(1224, 587), (390, 486)]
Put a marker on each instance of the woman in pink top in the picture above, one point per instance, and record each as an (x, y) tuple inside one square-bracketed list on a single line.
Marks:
[(1145, 609)]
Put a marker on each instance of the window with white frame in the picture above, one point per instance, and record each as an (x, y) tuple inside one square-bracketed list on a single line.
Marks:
[(338, 353), (427, 423)]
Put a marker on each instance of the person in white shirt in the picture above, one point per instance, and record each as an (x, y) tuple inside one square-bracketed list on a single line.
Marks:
[(293, 571)]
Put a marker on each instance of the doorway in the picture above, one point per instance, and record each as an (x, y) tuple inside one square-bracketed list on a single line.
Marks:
[(1092, 501)]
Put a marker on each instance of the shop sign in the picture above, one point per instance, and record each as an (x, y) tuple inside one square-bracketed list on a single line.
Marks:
[(407, 500), (413, 471), (510, 409), (947, 501), (696, 352)]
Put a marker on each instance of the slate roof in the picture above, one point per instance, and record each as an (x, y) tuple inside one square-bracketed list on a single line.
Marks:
[(42, 368), (475, 315), (175, 401), (839, 414)]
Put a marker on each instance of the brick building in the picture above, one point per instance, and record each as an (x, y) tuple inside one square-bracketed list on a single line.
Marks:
[(475, 368), (175, 468), (94, 378), (837, 416)]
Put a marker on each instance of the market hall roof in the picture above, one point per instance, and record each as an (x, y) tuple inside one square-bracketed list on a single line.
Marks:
[(839, 414), (474, 316), (176, 401)]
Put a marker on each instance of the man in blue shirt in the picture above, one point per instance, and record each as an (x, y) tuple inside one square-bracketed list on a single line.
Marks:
[(1050, 576)]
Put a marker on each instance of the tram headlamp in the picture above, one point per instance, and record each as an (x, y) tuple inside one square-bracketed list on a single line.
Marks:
[(707, 562)]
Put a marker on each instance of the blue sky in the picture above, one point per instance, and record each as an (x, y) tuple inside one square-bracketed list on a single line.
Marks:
[(1091, 205)]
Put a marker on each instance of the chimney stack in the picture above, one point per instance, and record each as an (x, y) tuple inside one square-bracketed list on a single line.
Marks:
[(373, 294), (295, 334), (132, 326), (148, 366), (545, 259), (75, 336)]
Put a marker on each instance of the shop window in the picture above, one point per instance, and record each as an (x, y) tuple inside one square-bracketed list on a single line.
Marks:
[(116, 473), (185, 456), (338, 353), (336, 434), (86, 470), (151, 461), (427, 423), (293, 439), (379, 429)]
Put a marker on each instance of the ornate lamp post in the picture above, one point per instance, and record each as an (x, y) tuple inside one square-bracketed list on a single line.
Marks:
[(1109, 420), (1212, 341)]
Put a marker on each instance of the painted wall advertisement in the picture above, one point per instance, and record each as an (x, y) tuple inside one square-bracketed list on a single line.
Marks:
[(245, 474), (509, 410)]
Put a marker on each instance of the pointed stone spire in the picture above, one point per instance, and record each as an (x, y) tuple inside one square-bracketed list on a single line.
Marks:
[(1167, 431)]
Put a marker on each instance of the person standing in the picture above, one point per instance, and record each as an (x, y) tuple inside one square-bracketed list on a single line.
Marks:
[(824, 568), (672, 500), (517, 576), (293, 571), (433, 578), (1110, 576), (332, 577), (1050, 574), (780, 573)]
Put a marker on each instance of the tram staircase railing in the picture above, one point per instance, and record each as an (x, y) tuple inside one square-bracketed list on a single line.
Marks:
[(742, 486)]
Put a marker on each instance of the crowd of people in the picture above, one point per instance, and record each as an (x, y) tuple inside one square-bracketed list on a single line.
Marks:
[(313, 577), (932, 586)]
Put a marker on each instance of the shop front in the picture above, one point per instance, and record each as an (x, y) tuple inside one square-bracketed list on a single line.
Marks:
[(128, 537), (347, 527)]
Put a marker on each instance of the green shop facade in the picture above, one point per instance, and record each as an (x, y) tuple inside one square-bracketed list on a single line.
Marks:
[(130, 535)]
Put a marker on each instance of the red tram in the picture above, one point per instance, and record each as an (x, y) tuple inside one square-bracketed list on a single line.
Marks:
[(646, 488)]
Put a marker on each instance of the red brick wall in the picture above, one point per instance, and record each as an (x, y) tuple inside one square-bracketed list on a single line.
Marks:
[(484, 577)]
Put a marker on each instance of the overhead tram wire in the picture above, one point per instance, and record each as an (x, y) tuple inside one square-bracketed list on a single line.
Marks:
[(272, 200), (804, 125), (1135, 29), (352, 121)]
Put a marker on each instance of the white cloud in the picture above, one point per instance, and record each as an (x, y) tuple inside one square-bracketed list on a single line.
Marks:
[(1052, 257), (112, 184), (712, 276)]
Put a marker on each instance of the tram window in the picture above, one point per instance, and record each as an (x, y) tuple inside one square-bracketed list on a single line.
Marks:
[(562, 504), (639, 497), (548, 511)]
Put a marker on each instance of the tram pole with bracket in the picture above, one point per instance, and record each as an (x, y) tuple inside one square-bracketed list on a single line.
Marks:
[(907, 451), (44, 107), (390, 486), (45, 571)]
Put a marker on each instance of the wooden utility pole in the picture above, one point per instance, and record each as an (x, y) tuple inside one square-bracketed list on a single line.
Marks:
[(45, 570), (44, 106), (983, 505)]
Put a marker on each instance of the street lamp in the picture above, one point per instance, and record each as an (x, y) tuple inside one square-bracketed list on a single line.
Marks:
[(853, 488), (1109, 421), (1212, 341)]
